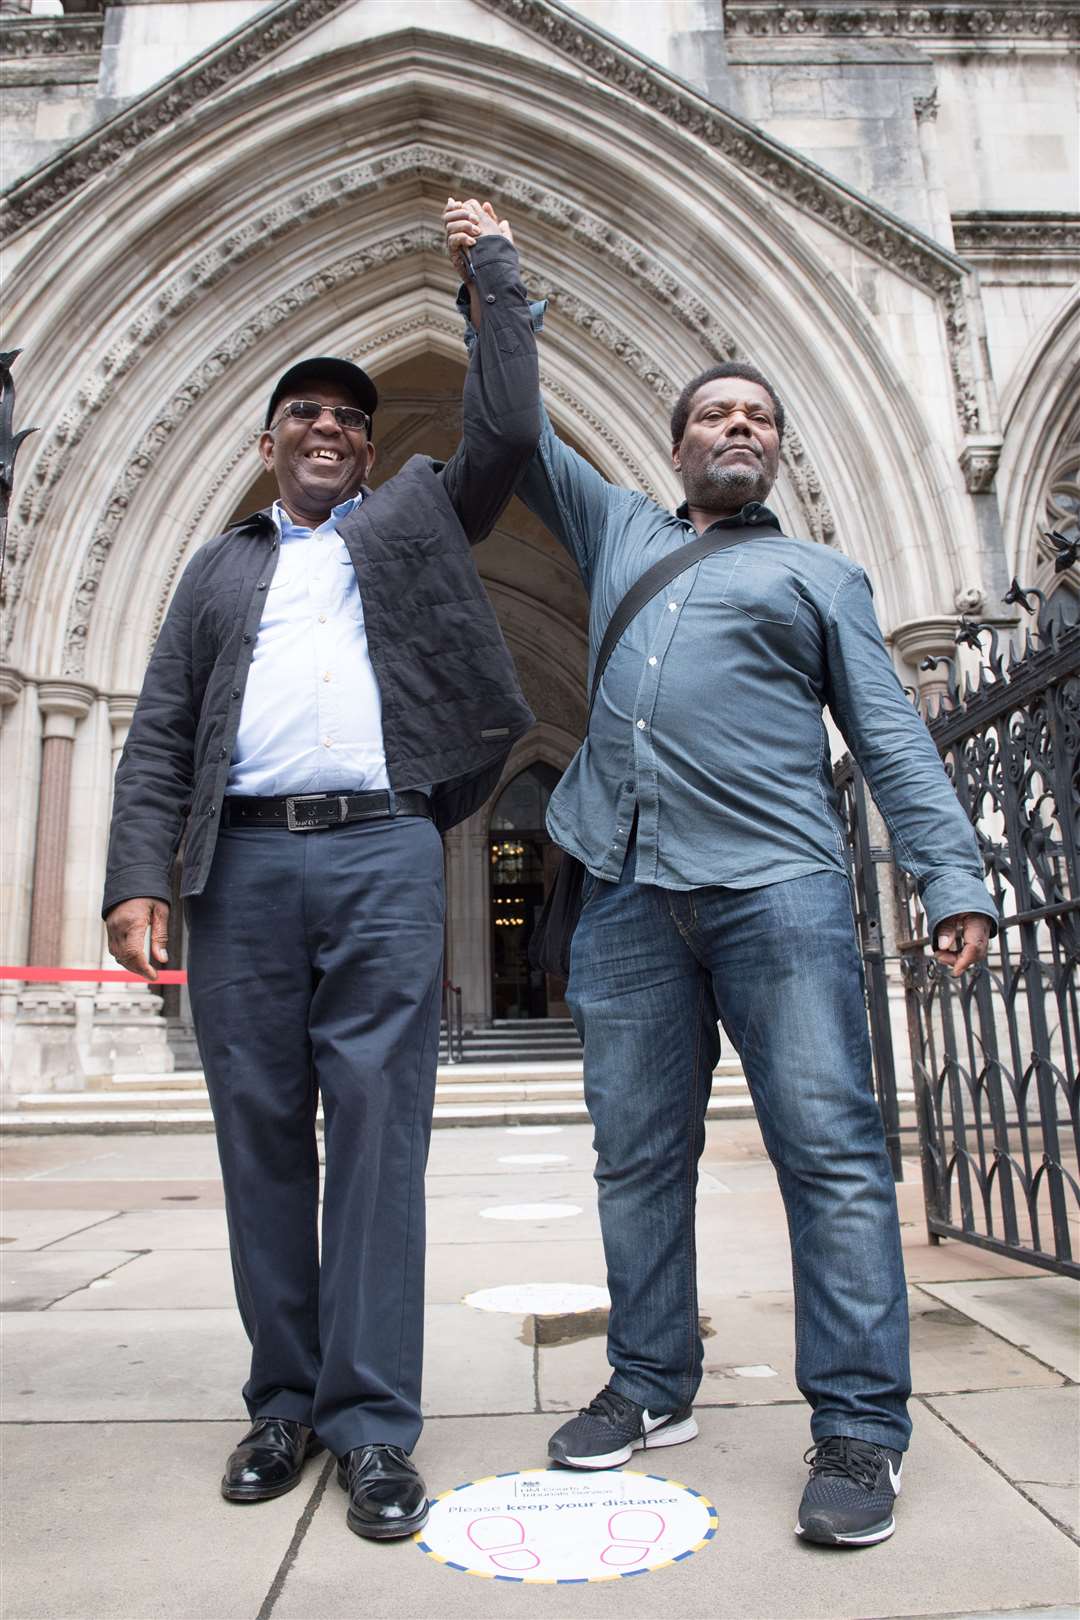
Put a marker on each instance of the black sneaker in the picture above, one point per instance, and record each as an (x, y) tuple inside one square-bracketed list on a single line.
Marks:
[(607, 1431), (848, 1500)]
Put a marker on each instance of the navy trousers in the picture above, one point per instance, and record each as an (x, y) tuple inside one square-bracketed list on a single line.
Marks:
[(314, 967)]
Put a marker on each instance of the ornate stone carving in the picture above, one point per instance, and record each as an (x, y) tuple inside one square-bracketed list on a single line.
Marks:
[(969, 601), (32, 37), (926, 107), (1015, 19), (979, 461), (178, 296), (211, 71), (1009, 233), (843, 210)]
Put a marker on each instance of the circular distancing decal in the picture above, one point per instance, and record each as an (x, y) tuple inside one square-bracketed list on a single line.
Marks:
[(550, 1527), (540, 1299)]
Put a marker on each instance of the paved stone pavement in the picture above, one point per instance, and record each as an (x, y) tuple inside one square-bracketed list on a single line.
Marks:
[(123, 1360)]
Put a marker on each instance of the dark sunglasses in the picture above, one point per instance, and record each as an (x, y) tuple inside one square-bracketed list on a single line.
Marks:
[(350, 417)]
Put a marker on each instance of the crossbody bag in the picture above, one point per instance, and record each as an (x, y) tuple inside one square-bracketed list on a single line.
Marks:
[(549, 948)]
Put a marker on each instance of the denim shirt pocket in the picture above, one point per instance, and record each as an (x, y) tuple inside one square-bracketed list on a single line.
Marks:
[(762, 590)]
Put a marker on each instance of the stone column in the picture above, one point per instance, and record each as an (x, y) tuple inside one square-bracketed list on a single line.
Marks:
[(63, 704), (121, 708), (927, 638), (11, 684)]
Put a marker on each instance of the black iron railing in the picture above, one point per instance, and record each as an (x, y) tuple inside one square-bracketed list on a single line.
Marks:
[(452, 1030), (863, 860), (994, 1054)]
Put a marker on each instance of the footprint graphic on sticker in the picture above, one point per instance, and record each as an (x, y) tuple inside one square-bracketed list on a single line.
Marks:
[(502, 1538), (633, 1532)]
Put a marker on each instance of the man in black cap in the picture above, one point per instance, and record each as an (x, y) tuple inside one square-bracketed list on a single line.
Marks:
[(329, 692)]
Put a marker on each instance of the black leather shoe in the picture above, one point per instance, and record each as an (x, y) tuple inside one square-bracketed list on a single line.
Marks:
[(268, 1461), (387, 1497)]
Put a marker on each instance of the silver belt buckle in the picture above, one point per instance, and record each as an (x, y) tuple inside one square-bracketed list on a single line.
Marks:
[(297, 822)]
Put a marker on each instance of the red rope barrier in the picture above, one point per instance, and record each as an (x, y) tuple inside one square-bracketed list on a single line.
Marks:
[(59, 975)]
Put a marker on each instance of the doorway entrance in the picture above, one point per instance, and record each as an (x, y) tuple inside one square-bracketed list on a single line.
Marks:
[(523, 860)]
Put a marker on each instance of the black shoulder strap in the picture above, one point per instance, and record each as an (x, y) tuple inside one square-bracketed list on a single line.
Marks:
[(655, 578)]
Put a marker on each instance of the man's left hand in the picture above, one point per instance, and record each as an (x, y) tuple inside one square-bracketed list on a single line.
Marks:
[(962, 941)]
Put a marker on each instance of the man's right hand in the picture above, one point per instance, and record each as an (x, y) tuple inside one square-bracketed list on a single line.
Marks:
[(465, 222), (127, 926)]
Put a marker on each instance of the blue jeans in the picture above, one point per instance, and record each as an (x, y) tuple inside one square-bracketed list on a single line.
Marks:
[(651, 969)]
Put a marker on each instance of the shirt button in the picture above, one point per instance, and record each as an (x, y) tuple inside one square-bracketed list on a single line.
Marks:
[(328, 742), (652, 661), (673, 607), (247, 638), (322, 618), (236, 694), (221, 753), (490, 299), (212, 810), (261, 586), (641, 725), (326, 677)]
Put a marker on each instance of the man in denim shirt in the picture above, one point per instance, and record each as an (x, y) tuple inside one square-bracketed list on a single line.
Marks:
[(701, 804)]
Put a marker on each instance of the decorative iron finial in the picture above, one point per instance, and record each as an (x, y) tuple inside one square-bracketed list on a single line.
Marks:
[(1068, 551), (9, 442)]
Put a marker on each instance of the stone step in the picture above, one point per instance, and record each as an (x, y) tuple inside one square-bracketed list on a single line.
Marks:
[(468, 1095)]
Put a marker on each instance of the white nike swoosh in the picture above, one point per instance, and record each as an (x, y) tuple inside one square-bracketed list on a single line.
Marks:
[(894, 1479), (649, 1423)]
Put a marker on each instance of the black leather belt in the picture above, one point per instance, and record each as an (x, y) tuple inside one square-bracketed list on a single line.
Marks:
[(308, 812)]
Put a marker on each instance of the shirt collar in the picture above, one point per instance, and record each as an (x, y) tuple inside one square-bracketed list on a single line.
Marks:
[(286, 527), (752, 513)]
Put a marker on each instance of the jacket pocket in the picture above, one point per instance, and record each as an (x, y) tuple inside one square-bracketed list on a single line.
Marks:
[(762, 590)]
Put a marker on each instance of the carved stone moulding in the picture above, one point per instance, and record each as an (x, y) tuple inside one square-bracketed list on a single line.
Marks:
[(1028, 19), (1002, 234), (49, 50), (979, 461), (23, 37)]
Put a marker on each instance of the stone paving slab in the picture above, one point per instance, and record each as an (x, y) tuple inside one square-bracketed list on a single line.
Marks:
[(456, 1269), (154, 1282), (1033, 1436), (1042, 1314), (475, 1361), (36, 1228), (186, 1226), (102, 1366), (748, 1462), (750, 1355), (125, 1522), (461, 1220), (34, 1280), (149, 1193), (103, 1158)]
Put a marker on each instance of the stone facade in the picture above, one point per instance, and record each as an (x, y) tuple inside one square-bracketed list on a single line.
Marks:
[(878, 205)]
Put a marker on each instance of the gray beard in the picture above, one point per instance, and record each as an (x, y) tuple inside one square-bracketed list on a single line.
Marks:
[(734, 485)]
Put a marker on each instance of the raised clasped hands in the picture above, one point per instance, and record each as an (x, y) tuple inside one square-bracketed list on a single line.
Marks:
[(465, 223)]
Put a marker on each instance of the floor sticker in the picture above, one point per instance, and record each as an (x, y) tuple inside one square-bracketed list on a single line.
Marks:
[(539, 1299), (534, 1158), (529, 1212), (547, 1526)]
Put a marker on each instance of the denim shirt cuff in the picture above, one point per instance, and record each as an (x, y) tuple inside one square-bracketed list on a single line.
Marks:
[(954, 894), (537, 311)]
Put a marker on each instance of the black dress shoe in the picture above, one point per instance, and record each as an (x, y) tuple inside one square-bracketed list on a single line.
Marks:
[(269, 1460), (387, 1497)]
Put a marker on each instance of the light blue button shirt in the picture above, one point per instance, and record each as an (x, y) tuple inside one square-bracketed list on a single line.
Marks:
[(312, 716)]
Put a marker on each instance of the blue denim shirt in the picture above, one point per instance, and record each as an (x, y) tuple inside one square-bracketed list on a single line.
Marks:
[(709, 722)]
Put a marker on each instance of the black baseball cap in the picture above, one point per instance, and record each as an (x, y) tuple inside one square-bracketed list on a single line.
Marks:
[(326, 368)]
